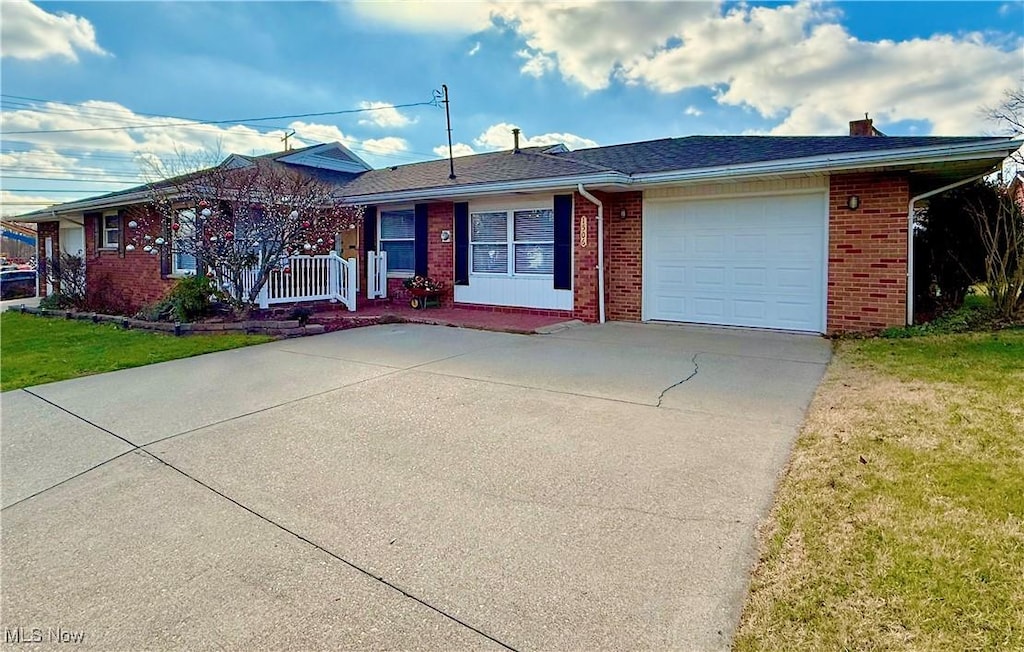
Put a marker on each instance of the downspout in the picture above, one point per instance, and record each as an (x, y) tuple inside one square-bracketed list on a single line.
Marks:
[(600, 250), (910, 237)]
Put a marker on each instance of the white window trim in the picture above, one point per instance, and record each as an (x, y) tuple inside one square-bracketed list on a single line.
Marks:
[(104, 243), (510, 241), (398, 273), (175, 270)]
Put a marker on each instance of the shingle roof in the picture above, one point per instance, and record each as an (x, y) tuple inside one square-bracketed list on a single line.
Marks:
[(527, 163), (688, 153), (695, 152)]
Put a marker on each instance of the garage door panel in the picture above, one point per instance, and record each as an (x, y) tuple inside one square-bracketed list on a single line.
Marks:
[(710, 308), (754, 261), (748, 278), (709, 277), (751, 243)]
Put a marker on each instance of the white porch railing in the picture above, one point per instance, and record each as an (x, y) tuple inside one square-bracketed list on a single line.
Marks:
[(376, 275), (308, 278)]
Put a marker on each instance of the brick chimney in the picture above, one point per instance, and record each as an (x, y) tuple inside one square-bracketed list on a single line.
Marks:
[(864, 127)]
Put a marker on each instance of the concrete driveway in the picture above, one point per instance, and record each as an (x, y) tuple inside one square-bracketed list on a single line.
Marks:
[(404, 486)]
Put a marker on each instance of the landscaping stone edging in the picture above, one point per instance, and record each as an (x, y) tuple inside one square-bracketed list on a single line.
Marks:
[(275, 328)]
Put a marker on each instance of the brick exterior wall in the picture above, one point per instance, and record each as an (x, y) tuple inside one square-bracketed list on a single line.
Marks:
[(867, 252), (623, 251), (584, 280), (441, 255), (46, 230), (122, 283)]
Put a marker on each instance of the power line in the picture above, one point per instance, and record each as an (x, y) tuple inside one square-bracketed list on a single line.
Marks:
[(79, 190), (409, 156), (75, 180), (220, 122), (53, 169), (105, 115)]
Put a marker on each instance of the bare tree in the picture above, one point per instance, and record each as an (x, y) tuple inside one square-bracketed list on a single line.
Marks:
[(241, 221), (1002, 235), (1009, 115), (66, 273)]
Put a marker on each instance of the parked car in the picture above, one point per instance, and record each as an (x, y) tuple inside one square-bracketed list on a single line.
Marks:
[(17, 283)]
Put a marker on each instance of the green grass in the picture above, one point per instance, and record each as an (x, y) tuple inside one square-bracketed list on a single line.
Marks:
[(900, 522), (35, 350)]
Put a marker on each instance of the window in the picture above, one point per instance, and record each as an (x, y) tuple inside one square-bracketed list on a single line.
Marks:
[(182, 262), (111, 232), (488, 239), (398, 239), (534, 237), (530, 234)]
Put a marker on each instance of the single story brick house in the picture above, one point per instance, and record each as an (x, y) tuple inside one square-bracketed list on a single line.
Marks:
[(793, 233)]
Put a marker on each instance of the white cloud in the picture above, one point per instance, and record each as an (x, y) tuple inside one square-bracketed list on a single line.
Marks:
[(120, 157), (312, 133), (427, 15), (694, 111), (384, 114), (20, 203), (537, 63), (499, 136), (588, 40), (458, 149), (796, 64), (383, 146), (28, 32), (473, 50)]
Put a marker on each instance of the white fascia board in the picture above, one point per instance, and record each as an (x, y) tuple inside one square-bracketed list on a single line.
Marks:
[(47, 214), (310, 158), (459, 192), (838, 162)]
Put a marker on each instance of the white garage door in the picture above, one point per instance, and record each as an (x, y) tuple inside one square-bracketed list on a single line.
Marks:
[(751, 261)]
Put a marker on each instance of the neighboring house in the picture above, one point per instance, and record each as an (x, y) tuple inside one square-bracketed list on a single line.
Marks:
[(796, 233), (126, 279), (1016, 189)]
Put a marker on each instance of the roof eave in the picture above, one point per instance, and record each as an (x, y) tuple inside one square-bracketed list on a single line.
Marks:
[(488, 188), (99, 203), (838, 162)]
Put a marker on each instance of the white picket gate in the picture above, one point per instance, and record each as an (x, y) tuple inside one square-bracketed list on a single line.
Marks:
[(376, 275), (308, 278)]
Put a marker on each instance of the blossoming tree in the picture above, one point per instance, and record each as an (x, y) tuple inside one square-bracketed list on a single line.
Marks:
[(241, 221)]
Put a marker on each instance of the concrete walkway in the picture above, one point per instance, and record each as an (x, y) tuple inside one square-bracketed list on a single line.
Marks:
[(405, 486)]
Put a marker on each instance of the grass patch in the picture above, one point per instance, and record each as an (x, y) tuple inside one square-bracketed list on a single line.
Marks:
[(35, 350), (900, 522)]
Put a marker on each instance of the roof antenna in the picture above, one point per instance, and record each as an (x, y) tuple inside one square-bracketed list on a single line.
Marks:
[(443, 93)]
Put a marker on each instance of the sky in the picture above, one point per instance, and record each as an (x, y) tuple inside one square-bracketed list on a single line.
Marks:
[(583, 73)]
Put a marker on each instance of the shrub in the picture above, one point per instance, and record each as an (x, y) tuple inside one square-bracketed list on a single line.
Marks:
[(66, 273), (56, 301), (190, 299), (977, 313)]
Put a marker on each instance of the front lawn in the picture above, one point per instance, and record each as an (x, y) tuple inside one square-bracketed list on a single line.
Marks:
[(35, 350), (900, 522)]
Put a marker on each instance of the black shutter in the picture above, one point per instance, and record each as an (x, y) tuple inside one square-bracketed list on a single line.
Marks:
[(422, 235), (370, 229), (122, 231), (563, 242), (98, 231), (462, 243), (165, 251)]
